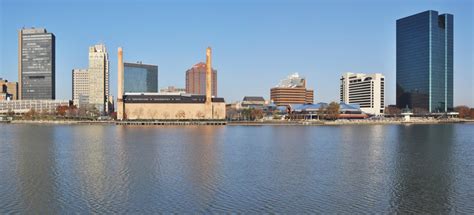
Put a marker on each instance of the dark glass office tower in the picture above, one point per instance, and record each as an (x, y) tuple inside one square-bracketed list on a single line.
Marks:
[(140, 78), (36, 64), (425, 62)]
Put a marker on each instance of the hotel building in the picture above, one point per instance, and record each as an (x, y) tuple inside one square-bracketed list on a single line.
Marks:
[(292, 90), (425, 62), (36, 64), (196, 80), (365, 90)]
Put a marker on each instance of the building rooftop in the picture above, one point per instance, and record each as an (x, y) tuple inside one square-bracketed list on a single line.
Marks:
[(253, 99), (33, 30), (163, 98), (292, 81)]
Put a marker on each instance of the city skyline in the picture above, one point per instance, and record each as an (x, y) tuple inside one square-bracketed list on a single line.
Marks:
[(246, 61)]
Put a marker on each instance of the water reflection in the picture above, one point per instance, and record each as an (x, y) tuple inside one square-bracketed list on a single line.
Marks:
[(208, 169), (423, 171), (35, 168)]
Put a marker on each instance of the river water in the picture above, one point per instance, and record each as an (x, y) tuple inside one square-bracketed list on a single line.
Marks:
[(47, 169)]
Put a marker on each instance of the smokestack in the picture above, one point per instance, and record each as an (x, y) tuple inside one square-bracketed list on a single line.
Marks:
[(208, 76), (120, 105), (120, 73)]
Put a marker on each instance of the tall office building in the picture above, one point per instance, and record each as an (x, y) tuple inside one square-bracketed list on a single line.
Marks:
[(425, 62), (80, 87), (366, 90), (36, 64), (99, 77), (196, 80), (140, 78), (292, 90)]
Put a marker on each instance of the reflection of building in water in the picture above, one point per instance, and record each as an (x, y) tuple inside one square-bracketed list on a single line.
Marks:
[(201, 155), (424, 171), (173, 107), (36, 168), (96, 163)]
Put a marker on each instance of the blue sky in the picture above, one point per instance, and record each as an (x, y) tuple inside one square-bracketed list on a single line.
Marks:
[(255, 43)]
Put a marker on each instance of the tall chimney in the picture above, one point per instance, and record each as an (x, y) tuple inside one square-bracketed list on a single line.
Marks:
[(120, 105), (208, 76)]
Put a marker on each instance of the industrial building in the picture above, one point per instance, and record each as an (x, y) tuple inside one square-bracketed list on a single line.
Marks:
[(365, 90), (292, 90), (154, 106)]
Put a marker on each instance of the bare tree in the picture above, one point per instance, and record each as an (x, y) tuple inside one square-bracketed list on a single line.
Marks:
[(333, 110)]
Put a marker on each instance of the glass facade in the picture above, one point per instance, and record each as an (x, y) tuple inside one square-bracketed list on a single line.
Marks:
[(140, 78), (37, 64), (425, 62)]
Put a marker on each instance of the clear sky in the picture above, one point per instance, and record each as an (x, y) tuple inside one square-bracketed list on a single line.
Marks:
[(255, 42)]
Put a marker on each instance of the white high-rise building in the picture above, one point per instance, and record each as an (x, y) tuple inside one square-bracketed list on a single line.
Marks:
[(99, 77), (80, 87), (366, 90)]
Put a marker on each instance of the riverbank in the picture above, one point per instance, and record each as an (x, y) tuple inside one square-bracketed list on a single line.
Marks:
[(243, 123), (60, 122), (347, 122)]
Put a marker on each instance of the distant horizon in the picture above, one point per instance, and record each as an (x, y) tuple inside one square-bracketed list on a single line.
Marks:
[(255, 45)]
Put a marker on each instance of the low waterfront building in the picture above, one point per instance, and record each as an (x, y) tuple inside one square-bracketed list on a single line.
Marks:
[(292, 90), (317, 111), (365, 90), (23, 106), (253, 102), (9, 90), (173, 90), (153, 106)]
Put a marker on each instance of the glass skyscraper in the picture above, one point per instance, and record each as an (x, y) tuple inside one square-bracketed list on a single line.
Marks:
[(140, 78), (36, 64), (425, 62)]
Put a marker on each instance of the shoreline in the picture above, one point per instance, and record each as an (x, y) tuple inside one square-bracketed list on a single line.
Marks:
[(238, 123)]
